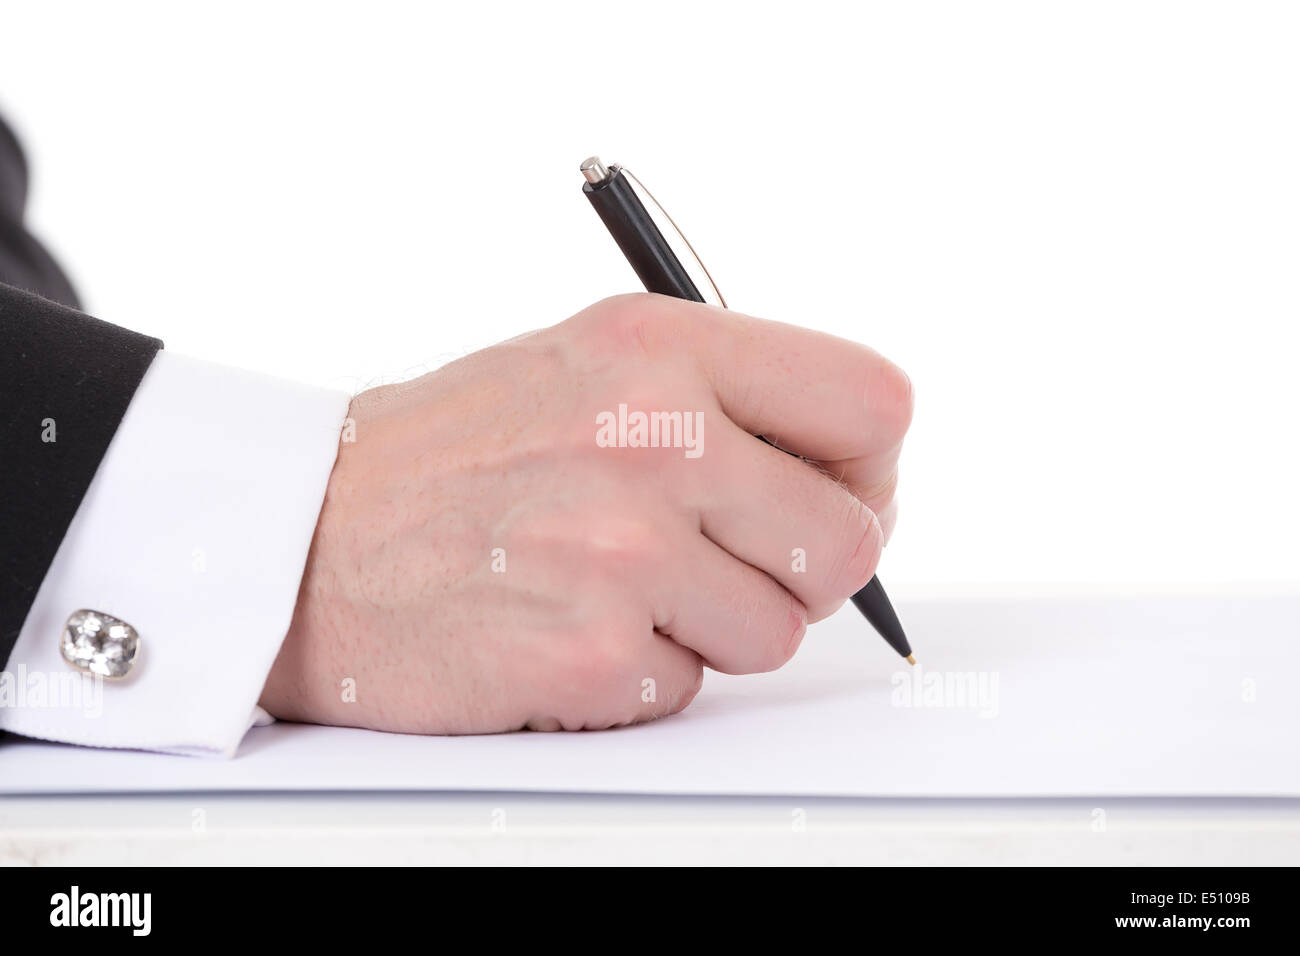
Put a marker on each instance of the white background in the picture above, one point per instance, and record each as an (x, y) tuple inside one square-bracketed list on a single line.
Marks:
[(1075, 225)]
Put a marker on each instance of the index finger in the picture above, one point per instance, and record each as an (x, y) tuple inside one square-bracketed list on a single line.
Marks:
[(811, 393)]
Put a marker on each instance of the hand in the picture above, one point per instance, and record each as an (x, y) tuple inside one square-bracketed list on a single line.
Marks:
[(492, 556)]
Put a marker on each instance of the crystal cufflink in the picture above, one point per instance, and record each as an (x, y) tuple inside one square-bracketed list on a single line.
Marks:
[(99, 643)]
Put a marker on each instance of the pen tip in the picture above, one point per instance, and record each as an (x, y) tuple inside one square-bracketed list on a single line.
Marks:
[(911, 660)]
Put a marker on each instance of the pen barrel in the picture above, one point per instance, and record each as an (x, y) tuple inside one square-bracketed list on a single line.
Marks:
[(639, 238)]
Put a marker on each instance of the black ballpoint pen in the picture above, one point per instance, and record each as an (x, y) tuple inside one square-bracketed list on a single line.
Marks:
[(657, 265)]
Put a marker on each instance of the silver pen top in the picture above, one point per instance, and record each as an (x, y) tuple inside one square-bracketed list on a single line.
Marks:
[(593, 170), (597, 173)]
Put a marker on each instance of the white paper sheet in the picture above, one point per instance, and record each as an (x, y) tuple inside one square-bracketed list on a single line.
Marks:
[(1134, 698)]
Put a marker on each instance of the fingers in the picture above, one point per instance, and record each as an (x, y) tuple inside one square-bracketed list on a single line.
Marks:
[(673, 676), (778, 541), (784, 517), (733, 615), (873, 479), (817, 395), (827, 399)]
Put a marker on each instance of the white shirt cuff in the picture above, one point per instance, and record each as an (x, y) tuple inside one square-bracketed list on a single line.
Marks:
[(195, 530)]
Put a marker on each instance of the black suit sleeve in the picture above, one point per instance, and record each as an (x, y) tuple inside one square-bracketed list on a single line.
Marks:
[(65, 382)]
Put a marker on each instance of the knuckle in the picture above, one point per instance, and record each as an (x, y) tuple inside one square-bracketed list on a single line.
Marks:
[(862, 542), (687, 690), (786, 640), (775, 624), (624, 548), (635, 322), (876, 495), (798, 627), (599, 548)]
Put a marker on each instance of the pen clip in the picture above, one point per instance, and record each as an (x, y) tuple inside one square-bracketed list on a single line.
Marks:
[(677, 239)]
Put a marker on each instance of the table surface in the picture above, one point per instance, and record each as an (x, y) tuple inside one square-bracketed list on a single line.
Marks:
[(515, 828)]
